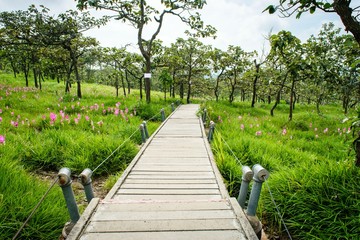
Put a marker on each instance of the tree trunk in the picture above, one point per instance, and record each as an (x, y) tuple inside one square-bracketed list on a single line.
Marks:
[(127, 81), (148, 81), (342, 8), (257, 66), (181, 90), (123, 85), (188, 93), (318, 102), (291, 100), (35, 78), (140, 87)]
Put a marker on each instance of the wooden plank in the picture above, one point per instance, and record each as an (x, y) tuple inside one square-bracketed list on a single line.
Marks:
[(168, 186), (166, 197), (163, 225), (149, 191), (171, 177), (163, 215), (163, 206), (170, 181), (172, 173), (141, 167), (180, 235)]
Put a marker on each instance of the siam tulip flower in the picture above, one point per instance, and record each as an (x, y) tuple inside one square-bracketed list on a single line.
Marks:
[(315, 129), (100, 123), (72, 107), (0, 119), (326, 130), (310, 125), (104, 111), (2, 139), (116, 112), (258, 133), (126, 110), (242, 127), (79, 116), (87, 118), (78, 103), (12, 113), (52, 117), (284, 131), (344, 130), (102, 105), (118, 104), (316, 136), (76, 120), (0, 110), (240, 117), (14, 123)]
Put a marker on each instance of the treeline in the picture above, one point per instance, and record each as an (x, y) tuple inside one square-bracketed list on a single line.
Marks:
[(324, 69)]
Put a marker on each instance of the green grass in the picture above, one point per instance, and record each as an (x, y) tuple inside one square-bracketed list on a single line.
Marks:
[(46, 130), (312, 173)]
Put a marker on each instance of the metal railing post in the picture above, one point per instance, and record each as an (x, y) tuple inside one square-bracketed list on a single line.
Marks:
[(260, 175), (85, 179), (204, 116), (146, 129), (65, 184), (142, 132), (247, 176), (162, 115), (211, 131)]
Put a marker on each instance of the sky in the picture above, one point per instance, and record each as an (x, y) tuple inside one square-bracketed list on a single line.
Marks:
[(238, 22)]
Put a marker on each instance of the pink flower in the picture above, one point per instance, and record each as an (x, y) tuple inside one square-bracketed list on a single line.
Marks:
[(12, 113), (242, 127), (2, 139), (76, 120), (258, 133), (15, 124), (52, 117), (100, 123), (326, 130), (0, 119), (126, 110), (104, 111), (87, 118), (116, 112), (0, 110), (284, 131)]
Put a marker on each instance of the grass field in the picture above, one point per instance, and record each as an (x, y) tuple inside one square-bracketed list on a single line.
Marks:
[(46, 130), (311, 164)]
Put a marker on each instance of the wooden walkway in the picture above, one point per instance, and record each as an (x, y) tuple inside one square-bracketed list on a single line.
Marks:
[(171, 190)]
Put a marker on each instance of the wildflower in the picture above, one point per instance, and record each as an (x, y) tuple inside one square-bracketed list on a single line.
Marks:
[(12, 113), (344, 130), (349, 130), (76, 120), (14, 123), (315, 129), (52, 117), (126, 110), (0, 119), (2, 139), (117, 104), (78, 103), (284, 131), (258, 133), (242, 127), (0, 110), (100, 123), (316, 136), (72, 107), (326, 130), (251, 125), (87, 118), (239, 117), (116, 112), (104, 111), (79, 116), (310, 125)]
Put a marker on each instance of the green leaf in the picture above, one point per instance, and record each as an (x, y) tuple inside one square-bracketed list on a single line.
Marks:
[(327, 5), (271, 9), (312, 9), (298, 15)]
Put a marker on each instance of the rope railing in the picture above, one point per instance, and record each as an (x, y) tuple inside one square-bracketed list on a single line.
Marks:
[(265, 179), (35, 208), (61, 175)]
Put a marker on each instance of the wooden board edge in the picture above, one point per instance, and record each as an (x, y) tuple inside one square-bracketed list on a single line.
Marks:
[(77, 230), (245, 224)]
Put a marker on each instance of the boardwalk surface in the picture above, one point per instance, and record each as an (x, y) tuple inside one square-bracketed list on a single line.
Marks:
[(171, 190)]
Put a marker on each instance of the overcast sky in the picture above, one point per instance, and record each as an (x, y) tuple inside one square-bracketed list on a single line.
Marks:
[(238, 22)]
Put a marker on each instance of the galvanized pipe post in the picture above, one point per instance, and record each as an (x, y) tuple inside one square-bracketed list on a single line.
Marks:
[(260, 175), (85, 179), (204, 116), (65, 184), (172, 107), (162, 115), (146, 129), (247, 176), (142, 132), (211, 131)]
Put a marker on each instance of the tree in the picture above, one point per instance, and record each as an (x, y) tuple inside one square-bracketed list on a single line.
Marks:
[(350, 15), (165, 79), (139, 14)]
